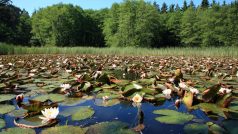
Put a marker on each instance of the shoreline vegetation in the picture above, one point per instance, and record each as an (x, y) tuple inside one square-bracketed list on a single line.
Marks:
[(6, 49)]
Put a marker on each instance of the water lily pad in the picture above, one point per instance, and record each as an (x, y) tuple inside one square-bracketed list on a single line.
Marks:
[(18, 113), (6, 97), (78, 113), (2, 123), (115, 127), (72, 101), (209, 107), (196, 128), (111, 95), (173, 117), (52, 97), (231, 126), (215, 129), (6, 109), (17, 130), (106, 103), (64, 130)]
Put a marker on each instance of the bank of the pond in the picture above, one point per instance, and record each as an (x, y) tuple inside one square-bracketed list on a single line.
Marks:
[(130, 51)]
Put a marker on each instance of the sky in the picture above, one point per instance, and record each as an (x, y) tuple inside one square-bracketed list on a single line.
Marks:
[(32, 5)]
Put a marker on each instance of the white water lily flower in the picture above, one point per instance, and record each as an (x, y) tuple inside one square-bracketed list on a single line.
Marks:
[(224, 90), (167, 93), (137, 98), (183, 85), (31, 74), (68, 70), (114, 66), (137, 86), (193, 90), (65, 87), (49, 114), (105, 98), (171, 80), (33, 70), (1, 66)]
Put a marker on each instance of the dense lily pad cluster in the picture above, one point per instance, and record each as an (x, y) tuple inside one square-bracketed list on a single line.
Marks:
[(48, 81)]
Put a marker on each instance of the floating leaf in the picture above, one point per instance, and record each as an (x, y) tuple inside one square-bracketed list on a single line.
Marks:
[(231, 126), (114, 127), (2, 123), (215, 129), (72, 101), (52, 97), (6, 109), (17, 130), (209, 107), (82, 113), (209, 94), (173, 117), (64, 130), (18, 113), (106, 103), (188, 99), (196, 128), (6, 97)]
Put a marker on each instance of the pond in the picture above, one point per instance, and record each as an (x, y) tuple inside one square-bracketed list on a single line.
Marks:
[(97, 94)]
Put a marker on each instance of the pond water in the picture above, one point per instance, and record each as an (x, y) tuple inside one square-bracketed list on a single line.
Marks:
[(179, 95)]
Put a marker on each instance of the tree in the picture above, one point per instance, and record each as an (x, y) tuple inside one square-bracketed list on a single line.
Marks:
[(164, 8), (192, 4), (177, 8), (190, 34), (132, 23), (205, 4), (185, 5), (171, 8)]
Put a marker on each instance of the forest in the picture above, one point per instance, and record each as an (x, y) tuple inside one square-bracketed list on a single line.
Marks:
[(132, 23)]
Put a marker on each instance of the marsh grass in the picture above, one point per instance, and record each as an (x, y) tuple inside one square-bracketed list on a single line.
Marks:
[(6, 49)]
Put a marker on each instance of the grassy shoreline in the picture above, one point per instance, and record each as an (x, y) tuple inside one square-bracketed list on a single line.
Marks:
[(130, 51)]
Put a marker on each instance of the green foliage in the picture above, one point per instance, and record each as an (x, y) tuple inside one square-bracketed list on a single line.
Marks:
[(135, 23), (132, 23)]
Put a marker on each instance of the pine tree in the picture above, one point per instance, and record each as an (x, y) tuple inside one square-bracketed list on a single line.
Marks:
[(205, 4), (171, 8), (164, 8), (177, 8), (185, 5)]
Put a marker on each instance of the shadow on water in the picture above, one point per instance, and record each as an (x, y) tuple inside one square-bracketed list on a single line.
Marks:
[(125, 112)]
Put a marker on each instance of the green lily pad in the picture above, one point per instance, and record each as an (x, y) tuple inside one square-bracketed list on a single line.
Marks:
[(114, 127), (215, 129), (78, 113), (2, 123), (173, 117), (18, 113), (209, 107), (52, 97), (17, 130), (106, 103), (72, 101), (196, 128), (109, 94), (231, 126), (6, 97), (6, 109), (64, 130)]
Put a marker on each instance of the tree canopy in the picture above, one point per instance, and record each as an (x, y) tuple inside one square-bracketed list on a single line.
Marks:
[(129, 23)]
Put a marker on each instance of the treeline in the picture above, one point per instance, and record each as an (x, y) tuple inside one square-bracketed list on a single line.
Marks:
[(130, 23)]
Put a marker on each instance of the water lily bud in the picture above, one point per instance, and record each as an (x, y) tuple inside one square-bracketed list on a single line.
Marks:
[(177, 103), (19, 98)]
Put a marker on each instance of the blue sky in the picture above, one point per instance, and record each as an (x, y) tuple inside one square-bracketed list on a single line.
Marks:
[(31, 5)]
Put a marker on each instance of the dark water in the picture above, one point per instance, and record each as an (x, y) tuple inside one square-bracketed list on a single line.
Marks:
[(125, 112)]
